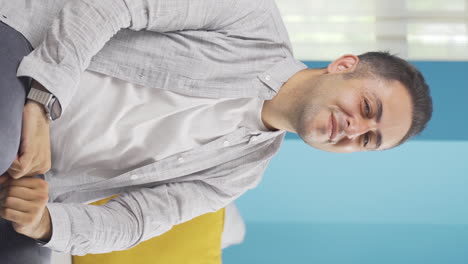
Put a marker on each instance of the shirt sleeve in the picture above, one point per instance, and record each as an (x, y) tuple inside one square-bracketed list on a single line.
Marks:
[(136, 216), (83, 27)]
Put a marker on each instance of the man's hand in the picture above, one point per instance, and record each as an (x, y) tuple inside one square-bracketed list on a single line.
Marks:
[(23, 202), (34, 157)]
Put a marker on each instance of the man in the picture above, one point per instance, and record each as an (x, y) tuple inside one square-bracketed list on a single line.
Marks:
[(179, 113)]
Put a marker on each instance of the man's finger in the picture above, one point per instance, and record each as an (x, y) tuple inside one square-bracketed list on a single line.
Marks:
[(18, 204), (29, 182), (21, 167), (24, 193), (15, 168), (13, 215)]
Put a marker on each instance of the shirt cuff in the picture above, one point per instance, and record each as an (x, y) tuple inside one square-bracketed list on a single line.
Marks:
[(55, 79), (61, 228)]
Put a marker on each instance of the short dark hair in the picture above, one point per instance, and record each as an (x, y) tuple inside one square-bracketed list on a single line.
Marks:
[(392, 68)]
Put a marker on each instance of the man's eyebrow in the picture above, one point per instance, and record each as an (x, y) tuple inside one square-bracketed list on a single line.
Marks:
[(378, 141), (379, 108)]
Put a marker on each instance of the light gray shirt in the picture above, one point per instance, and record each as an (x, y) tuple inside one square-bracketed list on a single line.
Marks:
[(135, 127), (207, 48)]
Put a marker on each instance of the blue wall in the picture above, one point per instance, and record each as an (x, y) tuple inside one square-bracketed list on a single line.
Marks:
[(405, 205), (351, 243)]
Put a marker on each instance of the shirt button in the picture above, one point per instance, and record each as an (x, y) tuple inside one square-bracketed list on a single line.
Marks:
[(268, 77), (180, 159), (226, 143), (254, 138), (134, 177)]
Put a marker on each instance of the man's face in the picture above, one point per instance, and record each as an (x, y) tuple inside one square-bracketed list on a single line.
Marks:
[(349, 115)]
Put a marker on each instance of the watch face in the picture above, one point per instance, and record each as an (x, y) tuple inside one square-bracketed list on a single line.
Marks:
[(56, 109)]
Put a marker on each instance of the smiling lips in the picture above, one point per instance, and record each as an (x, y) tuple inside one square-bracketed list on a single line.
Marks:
[(332, 128)]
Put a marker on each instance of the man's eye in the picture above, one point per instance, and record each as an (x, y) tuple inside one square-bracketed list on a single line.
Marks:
[(366, 139), (367, 108)]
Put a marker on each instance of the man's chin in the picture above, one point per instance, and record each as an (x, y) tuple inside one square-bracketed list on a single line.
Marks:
[(328, 147)]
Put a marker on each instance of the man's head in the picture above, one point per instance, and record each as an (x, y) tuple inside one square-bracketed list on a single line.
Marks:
[(373, 101)]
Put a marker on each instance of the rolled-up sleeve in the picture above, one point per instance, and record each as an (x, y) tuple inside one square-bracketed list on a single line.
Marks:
[(83, 27)]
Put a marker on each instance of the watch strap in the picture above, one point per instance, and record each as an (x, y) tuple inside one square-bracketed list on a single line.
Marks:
[(43, 98), (40, 96)]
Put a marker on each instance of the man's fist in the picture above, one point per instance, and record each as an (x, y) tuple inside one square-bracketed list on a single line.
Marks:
[(23, 202), (34, 157)]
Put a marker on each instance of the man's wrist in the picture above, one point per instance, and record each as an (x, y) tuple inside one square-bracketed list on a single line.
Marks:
[(45, 228), (40, 87), (37, 108), (51, 107)]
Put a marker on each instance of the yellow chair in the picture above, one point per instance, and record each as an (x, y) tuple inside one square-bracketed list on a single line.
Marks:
[(197, 241)]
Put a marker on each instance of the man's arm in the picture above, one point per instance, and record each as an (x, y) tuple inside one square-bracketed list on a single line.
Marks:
[(84, 26), (142, 213), (129, 219), (34, 155)]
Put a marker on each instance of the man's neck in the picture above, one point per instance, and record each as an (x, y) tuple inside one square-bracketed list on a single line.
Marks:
[(276, 113)]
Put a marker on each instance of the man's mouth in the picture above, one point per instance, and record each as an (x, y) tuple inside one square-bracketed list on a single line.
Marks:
[(332, 127)]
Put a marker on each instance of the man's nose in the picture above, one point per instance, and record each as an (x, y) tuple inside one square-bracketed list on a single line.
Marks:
[(358, 127)]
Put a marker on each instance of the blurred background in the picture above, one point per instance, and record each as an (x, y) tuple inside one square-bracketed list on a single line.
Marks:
[(405, 205)]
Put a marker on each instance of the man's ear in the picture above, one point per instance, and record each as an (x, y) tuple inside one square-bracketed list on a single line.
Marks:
[(344, 64)]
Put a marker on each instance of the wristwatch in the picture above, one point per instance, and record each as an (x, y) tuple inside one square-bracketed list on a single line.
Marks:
[(51, 105)]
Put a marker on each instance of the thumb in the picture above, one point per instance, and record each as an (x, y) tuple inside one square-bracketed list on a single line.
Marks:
[(22, 165)]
